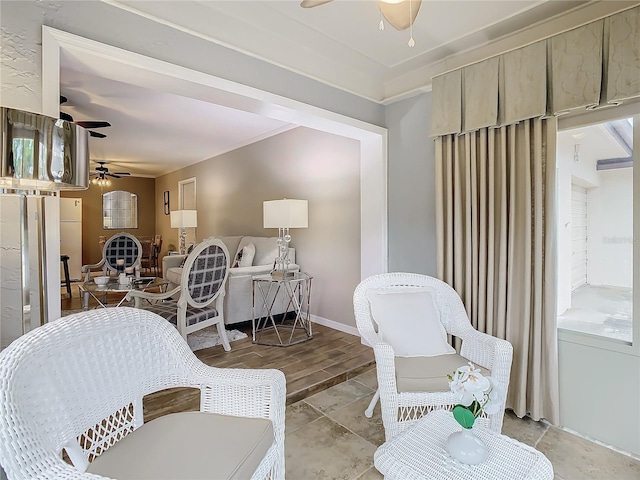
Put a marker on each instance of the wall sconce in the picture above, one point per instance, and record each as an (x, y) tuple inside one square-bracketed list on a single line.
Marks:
[(166, 202)]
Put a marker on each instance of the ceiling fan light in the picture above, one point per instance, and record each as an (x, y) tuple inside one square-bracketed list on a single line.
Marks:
[(400, 15)]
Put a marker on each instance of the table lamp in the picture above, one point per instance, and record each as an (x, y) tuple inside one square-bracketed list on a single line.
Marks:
[(283, 215), (184, 219)]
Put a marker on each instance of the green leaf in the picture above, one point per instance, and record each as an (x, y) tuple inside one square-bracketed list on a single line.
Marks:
[(463, 416)]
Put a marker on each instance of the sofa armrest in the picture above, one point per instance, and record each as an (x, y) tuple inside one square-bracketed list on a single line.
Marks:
[(256, 270), (170, 261)]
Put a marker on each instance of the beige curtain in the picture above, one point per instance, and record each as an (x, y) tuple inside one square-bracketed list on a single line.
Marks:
[(495, 191)]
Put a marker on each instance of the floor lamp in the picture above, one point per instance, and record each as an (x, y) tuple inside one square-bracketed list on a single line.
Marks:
[(283, 215), (184, 219)]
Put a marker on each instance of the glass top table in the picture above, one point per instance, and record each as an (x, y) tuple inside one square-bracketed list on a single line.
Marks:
[(100, 292)]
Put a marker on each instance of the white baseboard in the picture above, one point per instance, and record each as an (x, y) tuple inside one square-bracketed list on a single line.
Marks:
[(335, 325)]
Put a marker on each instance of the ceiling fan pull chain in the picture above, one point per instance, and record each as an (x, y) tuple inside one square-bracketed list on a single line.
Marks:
[(412, 42), (381, 25)]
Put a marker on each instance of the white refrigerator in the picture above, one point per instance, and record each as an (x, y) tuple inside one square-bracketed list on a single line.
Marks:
[(71, 235)]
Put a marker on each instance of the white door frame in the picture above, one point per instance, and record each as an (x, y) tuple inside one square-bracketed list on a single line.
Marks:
[(122, 65)]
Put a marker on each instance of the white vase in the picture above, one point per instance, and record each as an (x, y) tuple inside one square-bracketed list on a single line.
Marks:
[(466, 447)]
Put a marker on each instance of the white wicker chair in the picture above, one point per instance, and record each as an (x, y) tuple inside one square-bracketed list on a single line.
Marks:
[(77, 384), (401, 409)]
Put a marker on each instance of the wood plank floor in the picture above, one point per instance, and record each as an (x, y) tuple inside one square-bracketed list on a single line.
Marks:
[(329, 358)]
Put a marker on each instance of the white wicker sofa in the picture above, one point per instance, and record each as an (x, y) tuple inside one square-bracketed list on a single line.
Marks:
[(238, 305)]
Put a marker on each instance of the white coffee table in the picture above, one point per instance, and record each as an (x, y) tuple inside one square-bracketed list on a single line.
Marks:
[(420, 453)]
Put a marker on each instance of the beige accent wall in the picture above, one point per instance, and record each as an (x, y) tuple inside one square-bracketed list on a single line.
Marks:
[(92, 213), (301, 163)]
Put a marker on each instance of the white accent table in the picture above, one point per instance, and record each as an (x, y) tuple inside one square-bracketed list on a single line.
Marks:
[(420, 453)]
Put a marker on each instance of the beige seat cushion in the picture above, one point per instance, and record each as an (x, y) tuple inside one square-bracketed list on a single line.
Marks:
[(428, 374), (189, 445), (174, 275)]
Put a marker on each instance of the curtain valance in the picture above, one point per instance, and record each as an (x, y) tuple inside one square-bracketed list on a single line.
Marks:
[(597, 64), (481, 94)]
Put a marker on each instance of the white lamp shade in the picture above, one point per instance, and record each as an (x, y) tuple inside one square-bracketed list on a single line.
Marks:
[(184, 218), (286, 213)]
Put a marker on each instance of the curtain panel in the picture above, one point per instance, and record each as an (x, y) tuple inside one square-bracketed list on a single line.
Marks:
[(495, 204), (592, 66)]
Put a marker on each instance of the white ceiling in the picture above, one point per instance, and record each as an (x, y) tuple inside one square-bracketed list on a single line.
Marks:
[(592, 143), (338, 43), (153, 133)]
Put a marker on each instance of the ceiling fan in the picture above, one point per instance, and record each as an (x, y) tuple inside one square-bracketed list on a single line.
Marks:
[(399, 13), (101, 173), (88, 124)]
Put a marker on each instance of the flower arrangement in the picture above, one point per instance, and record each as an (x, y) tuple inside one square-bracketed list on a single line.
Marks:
[(476, 394)]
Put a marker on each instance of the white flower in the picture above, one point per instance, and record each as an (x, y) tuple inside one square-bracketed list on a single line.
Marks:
[(468, 385), (494, 397)]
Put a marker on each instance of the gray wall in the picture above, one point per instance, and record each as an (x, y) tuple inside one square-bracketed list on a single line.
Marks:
[(412, 227), (411, 237), (300, 163)]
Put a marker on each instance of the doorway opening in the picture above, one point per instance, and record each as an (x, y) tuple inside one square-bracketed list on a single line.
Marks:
[(595, 229)]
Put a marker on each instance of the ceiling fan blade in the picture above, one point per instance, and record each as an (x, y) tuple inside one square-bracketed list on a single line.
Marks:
[(97, 134), (313, 3), (113, 175), (63, 99), (121, 173), (66, 116), (93, 124)]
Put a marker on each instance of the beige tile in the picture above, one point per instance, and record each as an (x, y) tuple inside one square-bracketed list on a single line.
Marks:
[(324, 449), (352, 417), (298, 415), (339, 395), (368, 378), (574, 458), (524, 429), (371, 474)]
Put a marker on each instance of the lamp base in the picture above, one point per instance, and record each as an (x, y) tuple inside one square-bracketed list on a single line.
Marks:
[(282, 275)]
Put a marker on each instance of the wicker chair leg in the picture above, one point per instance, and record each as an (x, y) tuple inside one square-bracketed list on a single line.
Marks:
[(374, 401)]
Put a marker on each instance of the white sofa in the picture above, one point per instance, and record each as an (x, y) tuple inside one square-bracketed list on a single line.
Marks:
[(238, 306)]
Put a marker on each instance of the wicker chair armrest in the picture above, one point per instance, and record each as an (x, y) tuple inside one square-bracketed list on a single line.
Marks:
[(368, 333), (257, 393), (490, 352), (222, 388), (385, 365)]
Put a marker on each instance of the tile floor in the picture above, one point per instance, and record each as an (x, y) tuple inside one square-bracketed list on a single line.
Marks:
[(328, 437)]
